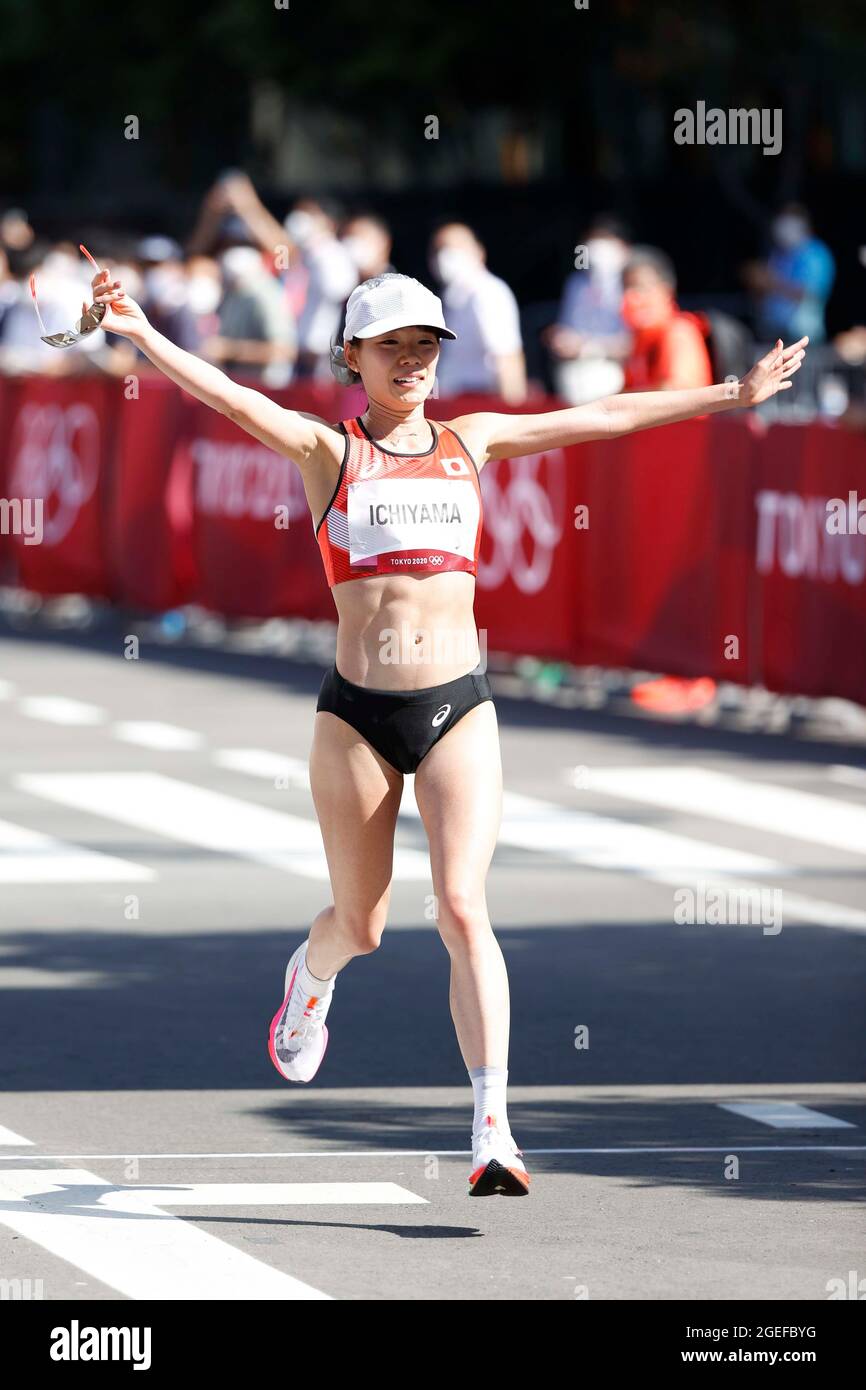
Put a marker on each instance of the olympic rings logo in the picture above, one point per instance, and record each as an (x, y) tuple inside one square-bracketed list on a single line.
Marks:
[(55, 457), (524, 519)]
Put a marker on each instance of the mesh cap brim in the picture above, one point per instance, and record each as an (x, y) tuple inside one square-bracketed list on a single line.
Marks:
[(373, 330)]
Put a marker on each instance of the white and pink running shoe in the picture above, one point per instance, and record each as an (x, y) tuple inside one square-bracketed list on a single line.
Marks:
[(498, 1169), (297, 1038)]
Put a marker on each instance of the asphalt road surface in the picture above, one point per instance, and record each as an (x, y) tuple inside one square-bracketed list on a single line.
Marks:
[(689, 1094)]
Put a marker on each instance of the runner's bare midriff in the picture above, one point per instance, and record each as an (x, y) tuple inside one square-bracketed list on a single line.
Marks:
[(398, 633)]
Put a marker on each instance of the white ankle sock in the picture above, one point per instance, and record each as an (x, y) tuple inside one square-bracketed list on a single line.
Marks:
[(488, 1088), (310, 983)]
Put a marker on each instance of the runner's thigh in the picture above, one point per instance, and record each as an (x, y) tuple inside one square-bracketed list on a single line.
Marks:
[(357, 796), (458, 788)]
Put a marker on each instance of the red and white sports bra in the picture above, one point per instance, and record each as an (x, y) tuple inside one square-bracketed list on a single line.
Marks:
[(394, 513)]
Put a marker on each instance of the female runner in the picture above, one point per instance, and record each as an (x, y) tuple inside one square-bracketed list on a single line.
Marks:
[(395, 501)]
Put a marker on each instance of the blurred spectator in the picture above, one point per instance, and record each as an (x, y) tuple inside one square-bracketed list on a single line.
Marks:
[(16, 233), (331, 277), (8, 287), (317, 271), (367, 238), (219, 207), (61, 286), (204, 291), (669, 348), (165, 291), (233, 203), (256, 337), (794, 283), (850, 354), (590, 339), (487, 355)]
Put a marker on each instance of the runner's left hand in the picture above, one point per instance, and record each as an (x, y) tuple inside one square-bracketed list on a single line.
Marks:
[(772, 372)]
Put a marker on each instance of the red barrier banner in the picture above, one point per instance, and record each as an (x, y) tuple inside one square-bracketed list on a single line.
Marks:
[(255, 549), (150, 537), (60, 451), (10, 508), (810, 556), (664, 552), (715, 547)]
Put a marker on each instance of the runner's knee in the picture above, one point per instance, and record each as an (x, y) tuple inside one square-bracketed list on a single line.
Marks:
[(363, 929), (462, 914)]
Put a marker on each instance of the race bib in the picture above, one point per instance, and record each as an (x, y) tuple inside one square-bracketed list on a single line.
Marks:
[(388, 514)]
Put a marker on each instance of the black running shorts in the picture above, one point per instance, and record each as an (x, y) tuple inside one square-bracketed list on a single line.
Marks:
[(403, 725)]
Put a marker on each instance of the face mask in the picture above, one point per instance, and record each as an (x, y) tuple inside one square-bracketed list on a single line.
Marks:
[(166, 286), (58, 264), (130, 279), (360, 250), (300, 226), (240, 263), (789, 231), (452, 266), (605, 256), (203, 293)]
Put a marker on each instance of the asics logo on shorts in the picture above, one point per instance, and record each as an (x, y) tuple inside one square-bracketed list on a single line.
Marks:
[(440, 716)]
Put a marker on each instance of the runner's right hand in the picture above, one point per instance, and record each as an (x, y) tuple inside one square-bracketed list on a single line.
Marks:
[(122, 314)]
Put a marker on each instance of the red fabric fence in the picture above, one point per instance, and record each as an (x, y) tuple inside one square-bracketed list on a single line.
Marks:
[(697, 549)]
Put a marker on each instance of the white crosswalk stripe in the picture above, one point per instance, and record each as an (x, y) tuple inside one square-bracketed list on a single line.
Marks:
[(605, 842), (8, 1136), (59, 709), (125, 1238), (152, 733), (851, 776), (785, 1114), (211, 820), (260, 762), (822, 820), (292, 843), (27, 856)]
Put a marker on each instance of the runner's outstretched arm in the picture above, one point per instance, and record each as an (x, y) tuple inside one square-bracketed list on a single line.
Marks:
[(510, 436), (294, 433)]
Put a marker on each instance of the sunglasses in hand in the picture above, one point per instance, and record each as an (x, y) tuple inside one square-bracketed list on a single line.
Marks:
[(86, 324)]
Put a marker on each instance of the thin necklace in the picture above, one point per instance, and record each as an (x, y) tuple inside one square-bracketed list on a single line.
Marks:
[(413, 437)]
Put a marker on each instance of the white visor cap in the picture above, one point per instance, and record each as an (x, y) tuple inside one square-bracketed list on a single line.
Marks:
[(400, 302)]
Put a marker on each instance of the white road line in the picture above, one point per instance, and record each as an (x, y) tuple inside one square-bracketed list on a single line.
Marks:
[(662, 856), (151, 733), (674, 860), (784, 1114), (269, 1194), (211, 820), (260, 762), (700, 791), (603, 842), (461, 1153), (796, 905), (7, 690), (8, 1136), (27, 856), (132, 1245), (852, 776), (576, 836), (608, 843), (59, 709), (291, 843)]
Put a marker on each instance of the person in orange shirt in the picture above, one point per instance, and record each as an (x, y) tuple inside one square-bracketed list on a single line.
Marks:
[(669, 350)]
